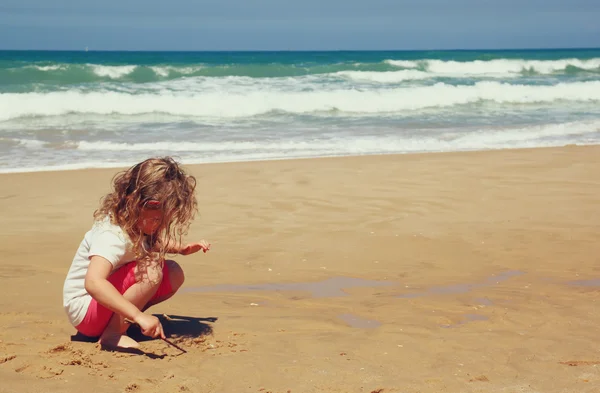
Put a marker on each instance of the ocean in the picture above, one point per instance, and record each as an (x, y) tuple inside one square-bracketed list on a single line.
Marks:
[(66, 110)]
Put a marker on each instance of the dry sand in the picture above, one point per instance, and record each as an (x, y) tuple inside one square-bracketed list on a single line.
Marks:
[(460, 272)]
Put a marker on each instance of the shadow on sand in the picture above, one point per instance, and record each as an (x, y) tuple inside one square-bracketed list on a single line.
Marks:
[(174, 326)]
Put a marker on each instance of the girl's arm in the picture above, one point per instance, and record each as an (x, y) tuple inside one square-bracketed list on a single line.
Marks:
[(97, 285), (175, 247)]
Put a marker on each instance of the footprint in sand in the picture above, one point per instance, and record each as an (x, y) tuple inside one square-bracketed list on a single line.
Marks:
[(7, 358), (481, 378), (43, 372), (66, 355), (22, 368), (49, 372), (60, 348), (132, 387), (575, 363)]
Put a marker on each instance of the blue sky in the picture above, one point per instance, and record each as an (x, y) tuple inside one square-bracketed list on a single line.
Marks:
[(298, 25)]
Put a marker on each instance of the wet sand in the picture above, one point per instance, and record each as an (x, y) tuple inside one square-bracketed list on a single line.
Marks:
[(454, 272)]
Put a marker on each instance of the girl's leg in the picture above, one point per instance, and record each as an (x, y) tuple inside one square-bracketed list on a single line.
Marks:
[(143, 295), (176, 279)]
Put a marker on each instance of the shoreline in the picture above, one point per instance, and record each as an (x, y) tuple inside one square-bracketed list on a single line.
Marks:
[(326, 157)]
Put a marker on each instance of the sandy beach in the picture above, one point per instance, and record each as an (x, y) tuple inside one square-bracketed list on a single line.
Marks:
[(452, 272)]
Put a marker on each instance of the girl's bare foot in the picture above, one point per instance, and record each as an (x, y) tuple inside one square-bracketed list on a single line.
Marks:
[(117, 341)]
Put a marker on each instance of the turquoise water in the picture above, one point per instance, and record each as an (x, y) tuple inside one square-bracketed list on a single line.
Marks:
[(61, 110)]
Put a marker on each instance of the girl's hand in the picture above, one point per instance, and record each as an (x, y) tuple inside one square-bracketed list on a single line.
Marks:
[(195, 247), (150, 326)]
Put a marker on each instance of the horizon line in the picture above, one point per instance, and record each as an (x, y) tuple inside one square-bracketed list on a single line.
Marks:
[(84, 50)]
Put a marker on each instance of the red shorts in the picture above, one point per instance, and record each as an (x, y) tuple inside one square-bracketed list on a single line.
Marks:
[(97, 316)]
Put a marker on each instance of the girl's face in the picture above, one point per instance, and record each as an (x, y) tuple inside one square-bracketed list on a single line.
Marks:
[(149, 221)]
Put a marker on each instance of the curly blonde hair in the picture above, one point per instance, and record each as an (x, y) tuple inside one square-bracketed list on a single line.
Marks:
[(156, 179)]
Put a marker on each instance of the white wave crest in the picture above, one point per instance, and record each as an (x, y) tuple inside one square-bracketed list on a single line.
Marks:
[(165, 71), (30, 143), (223, 104), (49, 67), (403, 63), (384, 77), (496, 67), (113, 72)]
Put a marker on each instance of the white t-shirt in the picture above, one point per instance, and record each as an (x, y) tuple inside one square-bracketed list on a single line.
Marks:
[(106, 240)]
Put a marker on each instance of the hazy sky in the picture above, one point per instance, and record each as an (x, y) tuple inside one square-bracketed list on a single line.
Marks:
[(297, 24)]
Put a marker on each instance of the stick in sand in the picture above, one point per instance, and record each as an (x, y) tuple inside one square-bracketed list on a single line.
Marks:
[(164, 339)]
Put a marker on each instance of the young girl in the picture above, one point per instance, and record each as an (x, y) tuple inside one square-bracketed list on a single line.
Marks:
[(120, 269)]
